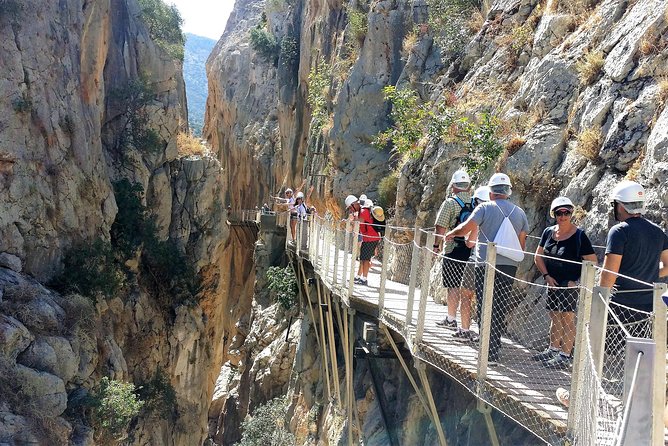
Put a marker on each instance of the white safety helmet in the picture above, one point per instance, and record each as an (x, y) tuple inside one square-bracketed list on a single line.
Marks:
[(482, 193), (460, 176), (350, 199), (299, 195), (500, 183), (367, 203), (362, 197), (560, 202), (631, 195), (288, 190)]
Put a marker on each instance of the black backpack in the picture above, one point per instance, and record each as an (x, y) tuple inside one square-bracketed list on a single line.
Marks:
[(467, 209)]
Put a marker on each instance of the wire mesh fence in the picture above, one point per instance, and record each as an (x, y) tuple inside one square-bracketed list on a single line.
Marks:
[(530, 327)]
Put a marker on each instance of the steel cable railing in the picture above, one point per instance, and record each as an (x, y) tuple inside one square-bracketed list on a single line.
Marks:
[(511, 309)]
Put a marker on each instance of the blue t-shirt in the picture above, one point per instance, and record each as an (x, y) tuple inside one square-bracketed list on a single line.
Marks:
[(640, 243)]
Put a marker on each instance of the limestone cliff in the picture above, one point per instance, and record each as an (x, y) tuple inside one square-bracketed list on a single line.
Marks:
[(94, 188), (575, 91)]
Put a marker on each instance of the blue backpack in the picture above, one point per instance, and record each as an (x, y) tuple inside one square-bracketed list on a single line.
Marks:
[(467, 209)]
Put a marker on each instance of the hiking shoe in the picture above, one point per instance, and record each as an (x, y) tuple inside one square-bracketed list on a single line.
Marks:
[(447, 323), (462, 335), (545, 355), (564, 396), (559, 362)]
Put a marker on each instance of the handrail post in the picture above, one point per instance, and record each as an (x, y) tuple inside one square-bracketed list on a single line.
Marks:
[(424, 289), (316, 243), (355, 250), (335, 229), (383, 272), (298, 238), (326, 247), (346, 248), (598, 321), (587, 279), (415, 259), (486, 313), (659, 373), (311, 247)]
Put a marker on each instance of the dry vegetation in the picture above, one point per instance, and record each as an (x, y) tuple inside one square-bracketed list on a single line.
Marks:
[(663, 91), (543, 186), (589, 143), (589, 67), (634, 170), (189, 145), (410, 42)]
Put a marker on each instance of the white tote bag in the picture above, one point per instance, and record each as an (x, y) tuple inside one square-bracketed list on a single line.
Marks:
[(507, 243)]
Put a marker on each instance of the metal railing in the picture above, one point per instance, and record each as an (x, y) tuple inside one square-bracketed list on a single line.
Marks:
[(511, 326)]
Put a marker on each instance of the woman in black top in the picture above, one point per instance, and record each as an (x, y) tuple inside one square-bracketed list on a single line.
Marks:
[(561, 241)]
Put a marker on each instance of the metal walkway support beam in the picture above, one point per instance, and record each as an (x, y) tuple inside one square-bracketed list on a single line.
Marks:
[(323, 346), (421, 369), (418, 392), (332, 345), (486, 411)]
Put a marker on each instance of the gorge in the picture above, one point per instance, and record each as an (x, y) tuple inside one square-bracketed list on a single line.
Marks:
[(122, 271)]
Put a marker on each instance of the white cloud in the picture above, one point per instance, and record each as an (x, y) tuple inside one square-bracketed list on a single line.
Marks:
[(204, 17)]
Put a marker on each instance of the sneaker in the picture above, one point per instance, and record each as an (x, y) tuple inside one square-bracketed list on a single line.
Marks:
[(493, 359), (363, 281), (559, 361), (545, 355), (463, 335), (564, 396), (475, 337), (447, 323), (357, 280)]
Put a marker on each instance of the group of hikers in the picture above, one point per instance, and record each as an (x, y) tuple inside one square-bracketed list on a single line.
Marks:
[(636, 248), (466, 221)]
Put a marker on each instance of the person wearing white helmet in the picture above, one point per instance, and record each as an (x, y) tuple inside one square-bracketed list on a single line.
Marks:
[(487, 219), (563, 241), (634, 248), (481, 194), (454, 210), (370, 237)]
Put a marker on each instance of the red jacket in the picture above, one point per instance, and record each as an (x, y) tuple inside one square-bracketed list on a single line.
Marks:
[(369, 233)]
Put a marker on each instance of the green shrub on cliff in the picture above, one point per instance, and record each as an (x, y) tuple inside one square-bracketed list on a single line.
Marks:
[(132, 101), (114, 404), (164, 26), (448, 20), (284, 283), (264, 44), (90, 270), (159, 396), (266, 426)]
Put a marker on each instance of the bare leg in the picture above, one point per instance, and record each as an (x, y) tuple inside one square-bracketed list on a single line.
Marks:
[(293, 228), (568, 339), (453, 301), (555, 330), (365, 265), (465, 309)]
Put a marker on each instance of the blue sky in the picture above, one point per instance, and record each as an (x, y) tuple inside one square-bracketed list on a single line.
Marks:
[(204, 17)]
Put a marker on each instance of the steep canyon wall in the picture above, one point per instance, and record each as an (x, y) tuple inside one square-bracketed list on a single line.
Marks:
[(577, 92), (89, 100)]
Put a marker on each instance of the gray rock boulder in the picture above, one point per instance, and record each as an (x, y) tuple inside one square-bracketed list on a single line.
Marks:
[(14, 337), (45, 390)]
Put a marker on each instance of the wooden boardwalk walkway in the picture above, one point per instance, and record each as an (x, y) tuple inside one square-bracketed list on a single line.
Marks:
[(518, 386)]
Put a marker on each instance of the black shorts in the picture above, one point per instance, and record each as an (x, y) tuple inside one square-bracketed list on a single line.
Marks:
[(453, 271), (562, 299), (367, 250)]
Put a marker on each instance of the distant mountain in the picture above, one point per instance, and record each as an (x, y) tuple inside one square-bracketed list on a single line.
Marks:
[(197, 51)]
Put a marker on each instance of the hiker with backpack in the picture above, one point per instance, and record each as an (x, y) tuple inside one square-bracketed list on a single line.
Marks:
[(455, 210), (505, 224), (563, 241)]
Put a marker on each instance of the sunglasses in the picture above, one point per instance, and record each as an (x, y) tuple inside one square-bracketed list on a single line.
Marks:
[(562, 213)]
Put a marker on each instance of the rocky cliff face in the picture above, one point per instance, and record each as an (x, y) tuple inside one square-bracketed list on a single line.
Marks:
[(89, 100), (576, 91)]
